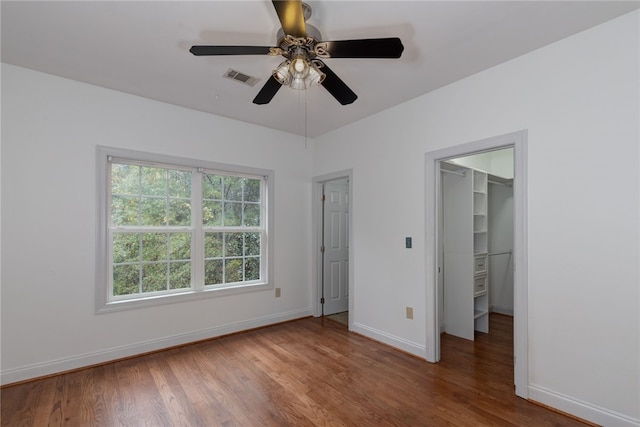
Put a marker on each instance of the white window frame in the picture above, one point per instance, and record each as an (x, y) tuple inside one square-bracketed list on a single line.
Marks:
[(106, 302)]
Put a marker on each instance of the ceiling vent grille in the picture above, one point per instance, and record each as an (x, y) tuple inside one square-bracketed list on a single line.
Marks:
[(240, 77)]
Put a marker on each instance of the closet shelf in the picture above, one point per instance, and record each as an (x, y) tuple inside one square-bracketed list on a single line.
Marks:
[(479, 313)]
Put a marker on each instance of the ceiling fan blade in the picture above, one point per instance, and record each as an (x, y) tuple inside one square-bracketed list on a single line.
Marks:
[(365, 48), (229, 50), (268, 91), (337, 87), (291, 17)]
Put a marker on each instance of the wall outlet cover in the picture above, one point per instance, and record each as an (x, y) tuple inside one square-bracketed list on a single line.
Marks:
[(409, 312)]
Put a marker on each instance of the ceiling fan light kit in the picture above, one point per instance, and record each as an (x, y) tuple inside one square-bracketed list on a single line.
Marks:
[(300, 45), (299, 73)]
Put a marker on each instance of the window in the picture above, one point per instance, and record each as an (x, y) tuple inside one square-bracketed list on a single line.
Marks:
[(177, 229)]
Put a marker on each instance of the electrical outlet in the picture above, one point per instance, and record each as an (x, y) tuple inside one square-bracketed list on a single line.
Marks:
[(409, 312), (278, 292)]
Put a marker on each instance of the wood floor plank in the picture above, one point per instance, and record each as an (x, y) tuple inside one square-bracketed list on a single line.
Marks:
[(243, 387), (172, 392), (310, 372), (219, 402)]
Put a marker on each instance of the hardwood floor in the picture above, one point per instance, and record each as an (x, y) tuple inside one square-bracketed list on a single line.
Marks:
[(310, 372)]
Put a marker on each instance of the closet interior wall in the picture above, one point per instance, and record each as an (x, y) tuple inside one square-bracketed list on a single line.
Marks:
[(500, 246)]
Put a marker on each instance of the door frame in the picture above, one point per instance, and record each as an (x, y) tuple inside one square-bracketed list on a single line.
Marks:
[(316, 239), (517, 140)]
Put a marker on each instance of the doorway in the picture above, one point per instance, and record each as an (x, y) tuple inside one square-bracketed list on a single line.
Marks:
[(333, 285), (476, 242), (434, 244)]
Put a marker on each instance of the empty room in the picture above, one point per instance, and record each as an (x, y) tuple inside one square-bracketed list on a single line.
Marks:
[(321, 213)]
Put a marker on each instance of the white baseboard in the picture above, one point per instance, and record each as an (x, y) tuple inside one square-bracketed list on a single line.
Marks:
[(501, 310), (584, 410), (393, 341), (75, 362)]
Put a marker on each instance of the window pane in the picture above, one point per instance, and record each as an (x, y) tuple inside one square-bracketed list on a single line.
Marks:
[(125, 179), (179, 212), (233, 245), (180, 275), (154, 277), (179, 184), (252, 190), (212, 187), (126, 279), (233, 270), (213, 245), (180, 246), (126, 247), (252, 268), (252, 244), (153, 181), (154, 246), (212, 213), (251, 215), (232, 214), (153, 211), (213, 272), (150, 220), (233, 188), (124, 210)]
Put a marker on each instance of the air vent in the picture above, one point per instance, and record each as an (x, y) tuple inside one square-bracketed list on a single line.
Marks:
[(240, 77)]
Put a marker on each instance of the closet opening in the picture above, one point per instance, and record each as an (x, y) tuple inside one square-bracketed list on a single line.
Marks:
[(476, 244), (476, 237)]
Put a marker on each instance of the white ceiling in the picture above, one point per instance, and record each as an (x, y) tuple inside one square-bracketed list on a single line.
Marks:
[(142, 48)]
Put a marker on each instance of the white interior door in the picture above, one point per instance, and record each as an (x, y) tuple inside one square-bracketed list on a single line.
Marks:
[(336, 247)]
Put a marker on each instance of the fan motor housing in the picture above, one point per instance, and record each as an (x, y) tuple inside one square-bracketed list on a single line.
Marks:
[(312, 32)]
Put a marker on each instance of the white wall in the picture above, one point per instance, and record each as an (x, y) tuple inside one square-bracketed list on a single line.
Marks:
[(579, 100), (501, 237), (50, 129), (498, 162), (502, 163)]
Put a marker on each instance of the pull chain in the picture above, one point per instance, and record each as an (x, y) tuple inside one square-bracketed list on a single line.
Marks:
[(305, 120)]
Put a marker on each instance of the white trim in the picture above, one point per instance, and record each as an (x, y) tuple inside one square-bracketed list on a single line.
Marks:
[(501, 310), (104, 155), (520, 265), (115, 353), (388, 339), (584, 410), (432, 183), (179, 297), (316, 238)]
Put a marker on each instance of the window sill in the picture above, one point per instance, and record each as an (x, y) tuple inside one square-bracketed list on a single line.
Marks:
[(113, 306)]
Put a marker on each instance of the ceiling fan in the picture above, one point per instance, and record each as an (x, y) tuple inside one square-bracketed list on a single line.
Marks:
[(299, 43)]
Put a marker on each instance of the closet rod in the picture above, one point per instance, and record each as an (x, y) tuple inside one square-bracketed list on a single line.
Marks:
[(454, 172), (499, 253)]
